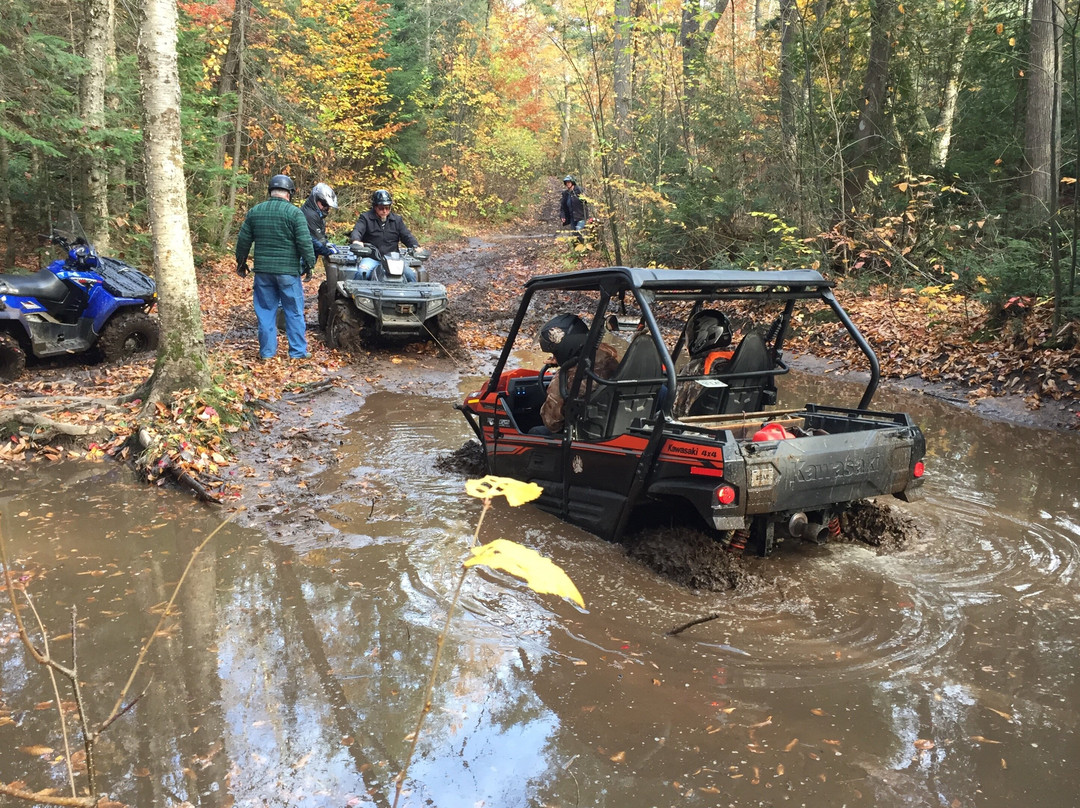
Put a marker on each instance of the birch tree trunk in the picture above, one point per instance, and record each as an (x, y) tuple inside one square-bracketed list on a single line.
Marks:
[(182, 360), (939, 147), (92, 105)]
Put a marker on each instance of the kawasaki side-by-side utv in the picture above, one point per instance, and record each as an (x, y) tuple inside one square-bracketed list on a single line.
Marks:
[(673, 428)]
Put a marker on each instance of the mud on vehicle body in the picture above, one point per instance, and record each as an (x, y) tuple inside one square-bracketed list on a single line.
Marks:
[(665, 431), (354, 309)]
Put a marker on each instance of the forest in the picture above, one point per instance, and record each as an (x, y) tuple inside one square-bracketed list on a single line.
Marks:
[(928, 146)]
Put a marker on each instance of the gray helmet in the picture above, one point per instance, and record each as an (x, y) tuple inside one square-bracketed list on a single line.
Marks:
[(568, 178), (708, 330), (281, 182), (563, 337), (381, 197), (324, 193)]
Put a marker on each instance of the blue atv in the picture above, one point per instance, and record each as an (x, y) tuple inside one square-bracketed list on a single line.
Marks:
[(82, 303)]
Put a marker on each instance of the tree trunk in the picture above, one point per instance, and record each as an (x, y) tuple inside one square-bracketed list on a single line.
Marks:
[(238, 127), (868, 145), (5, 205), (182, 360), (789, 142), (1037, 186), (92, 104), (939, 146), (621, 82), (118, 168), (230, 81)]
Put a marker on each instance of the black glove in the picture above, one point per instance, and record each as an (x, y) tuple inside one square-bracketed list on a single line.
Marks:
[(307, 274), (241, 269)]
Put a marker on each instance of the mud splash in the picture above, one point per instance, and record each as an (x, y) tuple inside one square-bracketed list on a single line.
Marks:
[(468, 461), (692, 559), (879, 525)]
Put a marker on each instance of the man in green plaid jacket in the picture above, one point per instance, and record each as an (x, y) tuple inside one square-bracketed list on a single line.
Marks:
[(283, 254)]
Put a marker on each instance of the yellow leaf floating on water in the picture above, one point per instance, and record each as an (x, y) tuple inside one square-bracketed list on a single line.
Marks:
[(515, 491), (541, 574)]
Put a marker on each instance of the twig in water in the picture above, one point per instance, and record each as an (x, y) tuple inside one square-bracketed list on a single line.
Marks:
[(685, 626)]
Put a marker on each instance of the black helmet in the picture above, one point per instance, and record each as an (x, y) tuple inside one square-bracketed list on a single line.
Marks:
[(280, 182), (563, 337), (707, 331), (568, 178), (324, 193), (381, 197)]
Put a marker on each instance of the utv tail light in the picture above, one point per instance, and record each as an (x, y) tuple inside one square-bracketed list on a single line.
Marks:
[(919, 469), (725, 495)]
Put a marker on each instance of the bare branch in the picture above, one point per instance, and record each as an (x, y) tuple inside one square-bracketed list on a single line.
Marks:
[(41, 799)]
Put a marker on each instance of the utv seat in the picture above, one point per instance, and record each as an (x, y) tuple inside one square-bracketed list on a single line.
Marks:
[(744, 394), (630, 394)]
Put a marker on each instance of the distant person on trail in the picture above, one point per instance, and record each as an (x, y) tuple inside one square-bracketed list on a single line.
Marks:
[(316, 208), (383, 230), (283, 254), (563, 337), (573, 209)]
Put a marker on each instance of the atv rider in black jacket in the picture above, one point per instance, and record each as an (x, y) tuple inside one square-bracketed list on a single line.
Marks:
[(383, 230), (316, 208)]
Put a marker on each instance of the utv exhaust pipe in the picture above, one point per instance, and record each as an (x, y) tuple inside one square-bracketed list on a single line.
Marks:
[(800, 527)]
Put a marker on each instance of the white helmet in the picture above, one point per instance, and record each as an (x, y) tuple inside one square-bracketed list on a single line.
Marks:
[(324, 193)]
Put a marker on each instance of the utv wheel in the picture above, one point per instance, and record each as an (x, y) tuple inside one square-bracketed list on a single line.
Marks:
[(346, 327), (12, 358), (127, 334), (279, 321)]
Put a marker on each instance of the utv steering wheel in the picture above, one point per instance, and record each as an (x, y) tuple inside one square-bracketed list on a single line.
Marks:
[(544, 371)]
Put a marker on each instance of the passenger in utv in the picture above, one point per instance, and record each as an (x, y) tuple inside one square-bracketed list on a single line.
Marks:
[(708, 339), (564, 338)]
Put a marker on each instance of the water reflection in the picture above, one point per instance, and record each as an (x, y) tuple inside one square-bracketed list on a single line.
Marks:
[(940, 675)]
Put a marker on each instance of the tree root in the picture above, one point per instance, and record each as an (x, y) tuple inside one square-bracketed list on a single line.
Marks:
[(48, 425)]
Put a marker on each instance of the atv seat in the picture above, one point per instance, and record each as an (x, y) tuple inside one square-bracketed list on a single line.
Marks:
[(752, 368), (630, 394), (43, 285)]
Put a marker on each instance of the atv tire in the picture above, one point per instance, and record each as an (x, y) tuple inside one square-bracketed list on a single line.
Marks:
[(127, 334), (346, 329), (327, 292), (442, 325), (12, 358), (324, 305)]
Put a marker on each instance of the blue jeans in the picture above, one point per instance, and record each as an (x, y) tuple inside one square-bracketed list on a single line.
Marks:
[(286, 291)]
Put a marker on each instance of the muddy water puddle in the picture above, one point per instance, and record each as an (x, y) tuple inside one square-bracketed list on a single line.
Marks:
[(940, 674)]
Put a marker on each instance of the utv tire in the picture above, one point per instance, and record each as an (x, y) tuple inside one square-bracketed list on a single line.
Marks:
[(346, 327), (12, 358), (127, 334)]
